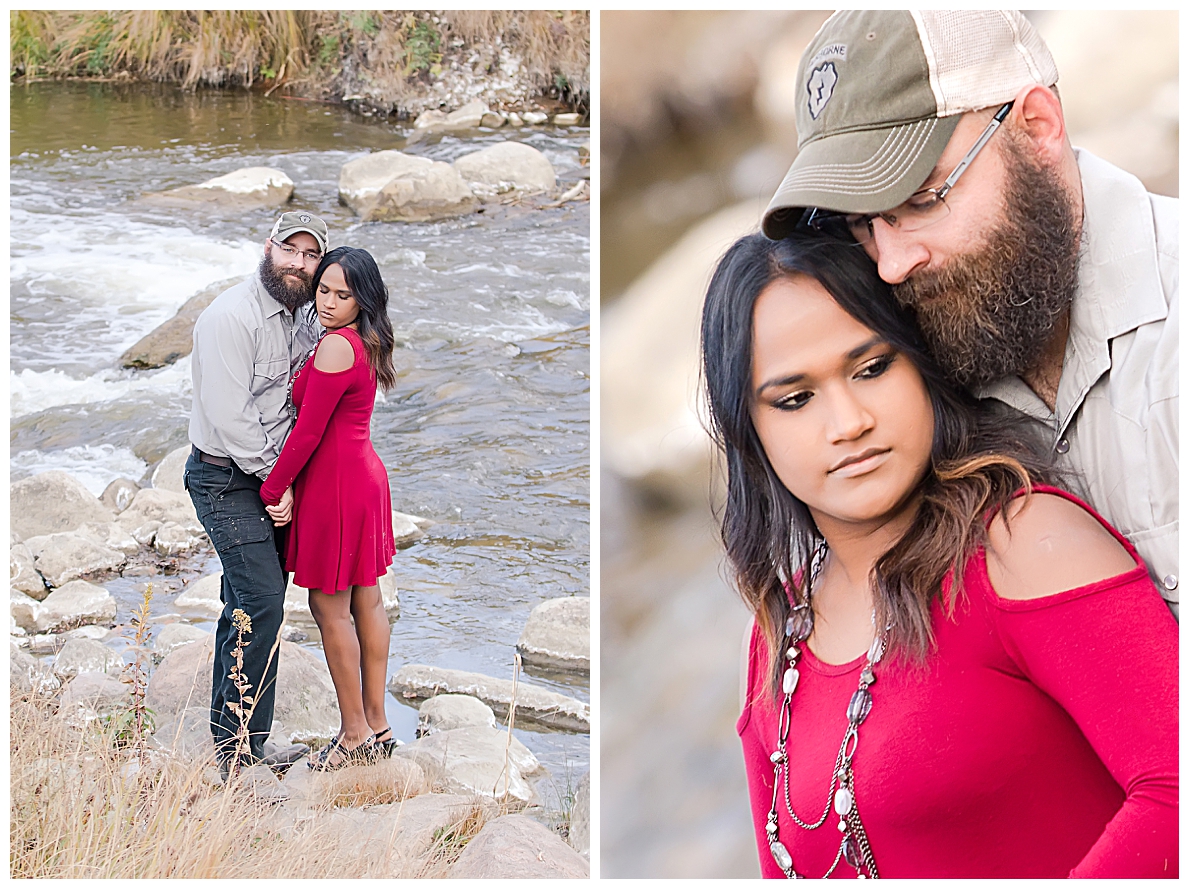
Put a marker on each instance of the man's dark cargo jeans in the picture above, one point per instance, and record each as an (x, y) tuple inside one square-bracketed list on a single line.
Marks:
[(228, 504)]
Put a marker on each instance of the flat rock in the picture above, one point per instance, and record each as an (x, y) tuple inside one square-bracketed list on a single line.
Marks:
[(94, 694), (53, 501), (22, 572), (244, 189), (67, 555), (168, 474), (74, 604), (112, 535), (517, 847), (172, 636), (408, 529), (202, 594), (306, 708), (507, 166), (476, 759), (569, 119), (386, 781), (173, 539), (86, 656), (155, 504), (557, 635), (534, 705), (172, 339), (535, 118), (117, 495), (26, 612), (390, 186), (445, 712)]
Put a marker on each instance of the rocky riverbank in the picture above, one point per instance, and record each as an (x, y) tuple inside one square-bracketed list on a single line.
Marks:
[(386, 64), (72, 650)]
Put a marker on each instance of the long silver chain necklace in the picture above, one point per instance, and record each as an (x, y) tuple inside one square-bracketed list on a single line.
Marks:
[(289, 405), (854, 846)]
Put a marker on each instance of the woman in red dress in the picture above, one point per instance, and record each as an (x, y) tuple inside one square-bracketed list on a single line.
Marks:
[(341, 542), (927, 693)]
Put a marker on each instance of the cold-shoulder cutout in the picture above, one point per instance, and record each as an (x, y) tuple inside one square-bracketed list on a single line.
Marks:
[(335, 354), (1049, 545)]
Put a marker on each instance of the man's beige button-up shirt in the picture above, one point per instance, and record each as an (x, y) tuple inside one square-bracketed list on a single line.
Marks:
[(245, 343), (1115, 427)]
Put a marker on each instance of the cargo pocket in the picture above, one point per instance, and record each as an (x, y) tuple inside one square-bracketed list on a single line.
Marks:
[(232, 531)]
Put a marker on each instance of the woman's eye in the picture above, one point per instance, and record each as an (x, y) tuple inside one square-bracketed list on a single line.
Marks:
[(876, 368), (792, 401)]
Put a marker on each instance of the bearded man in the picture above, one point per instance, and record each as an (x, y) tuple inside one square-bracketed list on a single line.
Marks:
[(246, 343), (1042, 277)]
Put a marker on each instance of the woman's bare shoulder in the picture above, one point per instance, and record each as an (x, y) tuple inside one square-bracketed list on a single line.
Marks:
[(335, 353), (1047, 545)]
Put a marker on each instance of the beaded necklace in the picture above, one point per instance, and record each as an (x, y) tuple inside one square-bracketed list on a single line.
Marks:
[(289, 405), (854, 846)]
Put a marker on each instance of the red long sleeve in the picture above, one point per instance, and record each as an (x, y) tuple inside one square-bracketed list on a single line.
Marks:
[(322, 394), (1039, 739), (1083, 648)]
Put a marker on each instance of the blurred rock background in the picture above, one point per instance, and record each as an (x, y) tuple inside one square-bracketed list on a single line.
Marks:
[(697, 132)]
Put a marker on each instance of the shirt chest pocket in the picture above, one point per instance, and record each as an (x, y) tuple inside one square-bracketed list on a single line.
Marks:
[(269, 375)]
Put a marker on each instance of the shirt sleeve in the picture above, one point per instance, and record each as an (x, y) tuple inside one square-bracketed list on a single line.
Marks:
[(323, 393), (227, 402), (1107, 653)]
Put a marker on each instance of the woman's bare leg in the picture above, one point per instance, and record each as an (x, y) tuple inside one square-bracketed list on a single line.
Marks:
[(372, 630), (339, 642)]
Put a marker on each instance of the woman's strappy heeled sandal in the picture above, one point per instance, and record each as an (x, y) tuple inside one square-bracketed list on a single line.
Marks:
[(361, 754), (384, 744)]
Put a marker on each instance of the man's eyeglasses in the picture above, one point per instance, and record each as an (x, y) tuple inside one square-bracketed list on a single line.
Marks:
[(924, 208), (290, 252)]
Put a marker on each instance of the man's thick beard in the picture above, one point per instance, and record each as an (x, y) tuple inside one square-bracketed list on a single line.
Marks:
[(989, 314), (292, 296)]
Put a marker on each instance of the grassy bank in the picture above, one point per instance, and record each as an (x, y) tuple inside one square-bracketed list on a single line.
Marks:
[(398, 63), (83, 806)]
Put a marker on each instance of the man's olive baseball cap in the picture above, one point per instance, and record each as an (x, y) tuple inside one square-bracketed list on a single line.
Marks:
[(296, 221), (880, 93)]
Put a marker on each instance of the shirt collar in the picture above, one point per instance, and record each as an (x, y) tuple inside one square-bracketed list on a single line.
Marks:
[(1118, 290), (268, 305)]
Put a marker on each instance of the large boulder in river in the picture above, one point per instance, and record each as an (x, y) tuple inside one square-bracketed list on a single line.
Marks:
[(74, 604), (64, 557), (247, 189), (174, 338), (118, 494), (52, 501), (517, 847), (168, 474), (157, 504), (306, 706), (476, 759), (557, 635), (442, 713), (508, 166), (534, 705), (390, 186)]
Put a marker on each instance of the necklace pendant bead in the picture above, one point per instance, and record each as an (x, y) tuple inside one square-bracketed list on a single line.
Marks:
[(859, 706), (791, 676), (876, 651), (867, 677), (850, 851), (777, 757), (843, 826), (781, 855), (844, 801)]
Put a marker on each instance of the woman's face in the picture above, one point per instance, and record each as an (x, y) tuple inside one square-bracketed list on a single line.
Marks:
[(336, 304), (845, 419)]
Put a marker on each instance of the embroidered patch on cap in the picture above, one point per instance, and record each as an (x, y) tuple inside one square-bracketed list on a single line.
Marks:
[(304, 218), (821, 87)]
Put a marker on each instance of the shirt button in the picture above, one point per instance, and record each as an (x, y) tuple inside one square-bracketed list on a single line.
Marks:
[(1170, 582), (1062, 446)]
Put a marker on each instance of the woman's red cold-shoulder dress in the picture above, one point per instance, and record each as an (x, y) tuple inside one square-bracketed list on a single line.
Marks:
[(342, 510)]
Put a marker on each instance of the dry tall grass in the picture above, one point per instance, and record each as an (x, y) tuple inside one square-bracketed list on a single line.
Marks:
[(308, 51), (83, 807)]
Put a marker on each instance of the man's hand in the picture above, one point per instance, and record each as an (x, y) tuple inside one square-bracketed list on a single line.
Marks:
[(283, 511)]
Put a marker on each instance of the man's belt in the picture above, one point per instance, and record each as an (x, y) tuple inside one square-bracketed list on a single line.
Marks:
[(225, 462)]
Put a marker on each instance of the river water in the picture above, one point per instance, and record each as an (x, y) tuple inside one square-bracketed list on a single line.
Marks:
[(487, 430)]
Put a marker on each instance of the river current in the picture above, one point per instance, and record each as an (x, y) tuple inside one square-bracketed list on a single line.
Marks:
[(487, 430)]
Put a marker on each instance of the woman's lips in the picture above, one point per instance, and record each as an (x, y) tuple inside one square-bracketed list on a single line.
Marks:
[(860, 463)]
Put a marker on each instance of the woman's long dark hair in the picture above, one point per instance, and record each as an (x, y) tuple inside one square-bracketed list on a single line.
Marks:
[(978, 459), (363, 277)]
